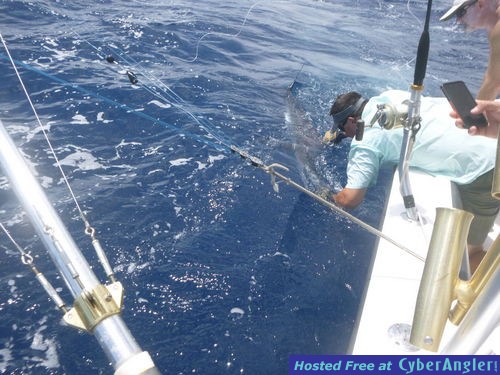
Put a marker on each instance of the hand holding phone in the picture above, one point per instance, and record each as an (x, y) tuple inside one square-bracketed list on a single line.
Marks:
[(462, 102)]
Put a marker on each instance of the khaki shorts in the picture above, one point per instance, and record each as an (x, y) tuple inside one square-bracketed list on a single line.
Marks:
[(476, 199)]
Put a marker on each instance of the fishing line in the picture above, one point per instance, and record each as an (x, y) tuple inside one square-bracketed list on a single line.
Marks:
[(52, 151), (27, 259), (119, 105), (413, 14), (89, 230), (219, 34), (171, 97), (176, 100)]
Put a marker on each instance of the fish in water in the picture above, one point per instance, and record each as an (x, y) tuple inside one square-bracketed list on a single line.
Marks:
[(307, 145)]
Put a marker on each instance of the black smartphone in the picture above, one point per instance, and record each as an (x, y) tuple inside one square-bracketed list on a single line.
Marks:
[(462, 102)]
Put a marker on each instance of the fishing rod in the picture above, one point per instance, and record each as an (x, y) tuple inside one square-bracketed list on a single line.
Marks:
[(413, 122)]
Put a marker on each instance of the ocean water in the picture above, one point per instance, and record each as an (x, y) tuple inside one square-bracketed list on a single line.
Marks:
[(222, 274)]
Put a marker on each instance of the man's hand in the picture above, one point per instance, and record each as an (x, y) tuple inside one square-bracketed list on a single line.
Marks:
[(349, 198), (491, 110)]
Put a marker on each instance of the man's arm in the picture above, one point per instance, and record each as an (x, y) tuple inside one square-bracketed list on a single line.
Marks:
[(349, 198), (491, 83)]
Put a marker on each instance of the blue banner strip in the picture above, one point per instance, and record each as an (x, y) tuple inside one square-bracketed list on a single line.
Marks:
[(393, 365)]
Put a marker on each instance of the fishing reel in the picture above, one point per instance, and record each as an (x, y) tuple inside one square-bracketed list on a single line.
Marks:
[(391, 116)]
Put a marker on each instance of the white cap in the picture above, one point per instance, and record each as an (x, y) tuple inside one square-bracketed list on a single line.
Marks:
[(457, 4)]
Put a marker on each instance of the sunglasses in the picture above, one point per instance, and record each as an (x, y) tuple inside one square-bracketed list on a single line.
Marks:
[(342, 126), (461, 12), (340, 118)]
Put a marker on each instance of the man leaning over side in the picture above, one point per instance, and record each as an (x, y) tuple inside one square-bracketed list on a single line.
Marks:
[(440, 149)]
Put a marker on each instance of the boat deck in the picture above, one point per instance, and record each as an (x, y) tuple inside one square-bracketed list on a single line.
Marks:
[(387, 315)]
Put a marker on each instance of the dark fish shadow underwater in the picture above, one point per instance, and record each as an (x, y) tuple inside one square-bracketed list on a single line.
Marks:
[(307, 145)]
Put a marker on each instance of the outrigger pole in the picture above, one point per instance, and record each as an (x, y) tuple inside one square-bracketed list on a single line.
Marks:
[(97, 307), (412, 125)]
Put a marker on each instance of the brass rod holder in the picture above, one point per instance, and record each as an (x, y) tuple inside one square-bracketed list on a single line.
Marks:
[(479, 322), (467, 291), (440, 275)]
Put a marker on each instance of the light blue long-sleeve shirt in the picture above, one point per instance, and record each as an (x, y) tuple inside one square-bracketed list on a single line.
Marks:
[(440, 149)]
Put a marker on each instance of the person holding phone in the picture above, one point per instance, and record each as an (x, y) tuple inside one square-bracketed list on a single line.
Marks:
[(440, 149), (491, 109), (482, 14), (468, 114)]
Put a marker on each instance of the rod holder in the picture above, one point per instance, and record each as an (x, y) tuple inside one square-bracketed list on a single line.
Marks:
[(467, 291), (440, 276), (478, 324)]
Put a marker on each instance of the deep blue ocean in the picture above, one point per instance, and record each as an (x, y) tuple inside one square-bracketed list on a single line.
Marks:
[(222, 274)]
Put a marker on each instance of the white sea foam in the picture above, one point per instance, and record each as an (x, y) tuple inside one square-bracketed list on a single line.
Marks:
[(160, 104), (4, 183), (16, 219), (237, 310), (201, 165), (18, 129), (32, 132), (280, 254), (155, 171), (61, 55), (125, 143), (5, 357), (134, 266), (100, 118), (151, 150), (50, 358), (179, 235), (51, 42), (181, 161), (46, 182), (13, 287), (84, 160), (131, 268), (122, 145), (214, 158), (80, 120)]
